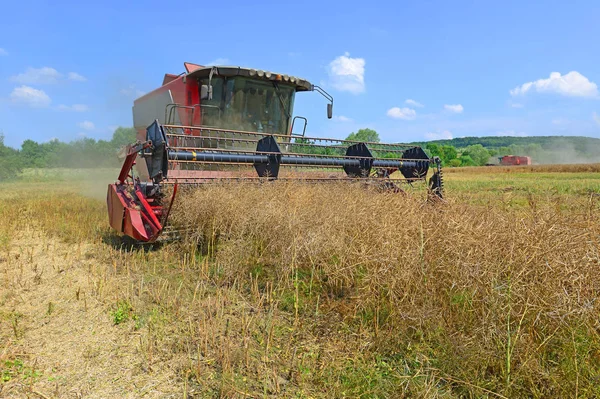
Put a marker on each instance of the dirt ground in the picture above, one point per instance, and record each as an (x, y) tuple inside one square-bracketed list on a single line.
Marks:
[(56, 323)]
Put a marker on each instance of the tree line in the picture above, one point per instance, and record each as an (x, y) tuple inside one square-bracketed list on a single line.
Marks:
[(477, 151), (467, 151), (471, 155), (83, 153), (541, 149)]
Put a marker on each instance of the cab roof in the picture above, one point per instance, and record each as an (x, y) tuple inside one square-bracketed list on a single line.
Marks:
[(199, 71)]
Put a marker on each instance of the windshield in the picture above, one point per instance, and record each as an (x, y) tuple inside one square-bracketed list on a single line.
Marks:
[(251, 105)]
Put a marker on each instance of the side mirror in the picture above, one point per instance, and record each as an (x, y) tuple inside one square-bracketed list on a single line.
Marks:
[(206, 92), (329, 111)]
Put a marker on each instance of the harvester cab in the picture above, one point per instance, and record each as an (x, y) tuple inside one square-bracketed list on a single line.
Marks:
[(230, 123)]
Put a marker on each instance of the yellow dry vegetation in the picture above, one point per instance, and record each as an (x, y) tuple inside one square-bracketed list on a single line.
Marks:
[(303, 290)]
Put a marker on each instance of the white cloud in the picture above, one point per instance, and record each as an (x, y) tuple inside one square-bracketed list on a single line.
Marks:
[(559, 121), (218, 61), (456, 108), (342, 118), (132, 91), (74, 107), (515, 105), (402, 113), (29, 96), (3, 52), (44, 75), (572, 84), (440, 135), (86, 125), (79, 107), (347, 74), (413, 103), (596, 118), (76, 77)]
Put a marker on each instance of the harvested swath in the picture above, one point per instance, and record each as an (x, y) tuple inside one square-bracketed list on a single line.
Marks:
[(498, 297)]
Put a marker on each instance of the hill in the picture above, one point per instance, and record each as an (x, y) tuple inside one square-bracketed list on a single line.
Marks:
[(579, 142), (543, 149)]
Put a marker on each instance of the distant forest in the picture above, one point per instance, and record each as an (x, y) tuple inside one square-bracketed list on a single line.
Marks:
[(542, 149), (82, 153)]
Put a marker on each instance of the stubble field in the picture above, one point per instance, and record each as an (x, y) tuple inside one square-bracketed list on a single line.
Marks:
[(304, 291)]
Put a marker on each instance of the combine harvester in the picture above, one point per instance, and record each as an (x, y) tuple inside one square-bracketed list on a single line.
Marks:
[(222, 123), (511, 160)]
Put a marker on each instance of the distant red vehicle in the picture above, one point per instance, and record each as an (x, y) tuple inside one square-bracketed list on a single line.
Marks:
[(509, 160)]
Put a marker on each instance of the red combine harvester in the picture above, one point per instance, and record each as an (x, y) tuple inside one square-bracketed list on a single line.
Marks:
[(219, 123), (509, 160)]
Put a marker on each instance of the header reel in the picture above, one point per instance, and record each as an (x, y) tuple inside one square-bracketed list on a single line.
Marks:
[(176, 154)]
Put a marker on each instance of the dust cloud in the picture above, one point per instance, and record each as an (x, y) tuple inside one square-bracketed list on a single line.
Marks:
[(566, 152)]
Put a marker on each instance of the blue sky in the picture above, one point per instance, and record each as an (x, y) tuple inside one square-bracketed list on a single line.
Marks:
[(410, 70)]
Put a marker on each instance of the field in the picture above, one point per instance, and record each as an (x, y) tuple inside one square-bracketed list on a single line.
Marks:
[(303, 291)]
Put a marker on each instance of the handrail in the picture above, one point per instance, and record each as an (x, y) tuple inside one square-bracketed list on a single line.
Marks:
[(173, 107), (286, 135)]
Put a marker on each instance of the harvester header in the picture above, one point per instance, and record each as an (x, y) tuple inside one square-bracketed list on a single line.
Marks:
[(216, 124)]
